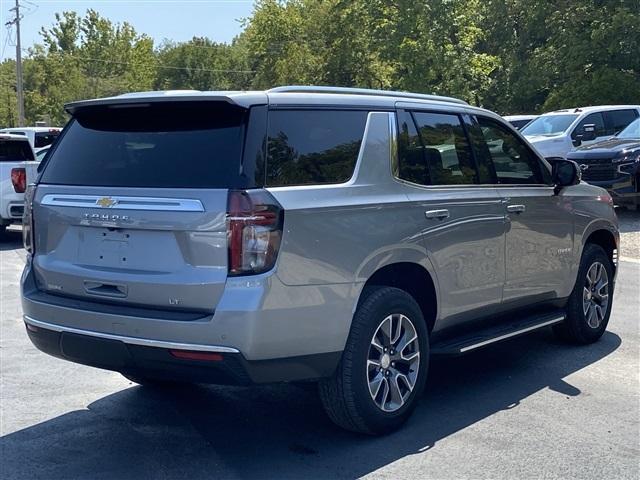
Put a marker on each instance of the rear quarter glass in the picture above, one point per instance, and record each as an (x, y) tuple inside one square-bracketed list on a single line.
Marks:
[(171, 145), (311, 147)]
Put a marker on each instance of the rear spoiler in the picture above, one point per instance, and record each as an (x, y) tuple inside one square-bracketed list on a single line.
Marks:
[(240, 99)]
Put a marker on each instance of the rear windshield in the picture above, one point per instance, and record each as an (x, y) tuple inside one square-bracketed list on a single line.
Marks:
[(44, 139), (15, 151), (173, 145)]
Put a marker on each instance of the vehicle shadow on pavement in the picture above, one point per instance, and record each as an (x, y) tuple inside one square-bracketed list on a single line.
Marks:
[(281, 431), (10, 240)]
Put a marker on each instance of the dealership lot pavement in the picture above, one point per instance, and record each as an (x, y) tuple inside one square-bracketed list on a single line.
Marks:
[(530, 408)]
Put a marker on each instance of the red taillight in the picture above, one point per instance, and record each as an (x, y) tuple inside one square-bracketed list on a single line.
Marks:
[(19, 179), (254, 231), (191, 355)]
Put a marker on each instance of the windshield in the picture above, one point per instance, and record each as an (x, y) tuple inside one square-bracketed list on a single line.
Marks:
[(549, 125), (632, 130)]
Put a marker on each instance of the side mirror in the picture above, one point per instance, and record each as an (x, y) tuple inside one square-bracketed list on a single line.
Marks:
[(564, 173), (577, 141)]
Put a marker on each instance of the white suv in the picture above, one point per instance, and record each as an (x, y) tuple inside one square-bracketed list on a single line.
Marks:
[(555, 134)]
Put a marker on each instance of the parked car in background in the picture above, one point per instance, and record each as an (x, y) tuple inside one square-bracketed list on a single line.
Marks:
[(41, 153), (555, 134), (17, 163), (519, 121), (317, 234), (614, 164), (39, 137)]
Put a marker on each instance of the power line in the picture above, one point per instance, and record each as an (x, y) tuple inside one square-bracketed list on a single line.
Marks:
[(168, 67), (19, 89)]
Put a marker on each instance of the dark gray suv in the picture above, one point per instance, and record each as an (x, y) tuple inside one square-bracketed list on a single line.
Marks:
[(334, 236)]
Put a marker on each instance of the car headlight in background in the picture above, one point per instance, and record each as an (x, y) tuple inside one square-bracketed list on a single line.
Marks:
[(628, 161), (626, 157)]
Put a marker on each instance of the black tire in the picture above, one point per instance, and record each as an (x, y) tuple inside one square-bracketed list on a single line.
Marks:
[(575, 328), (346, 396)]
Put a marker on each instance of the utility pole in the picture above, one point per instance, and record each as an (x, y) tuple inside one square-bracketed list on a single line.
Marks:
[(19, 90)]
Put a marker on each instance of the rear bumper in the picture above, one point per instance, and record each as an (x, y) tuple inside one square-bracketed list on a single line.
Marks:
[(13, 212), (142, 357), (273, 331)]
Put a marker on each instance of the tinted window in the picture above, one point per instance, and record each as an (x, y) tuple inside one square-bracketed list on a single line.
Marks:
[(163, 145), (15, 151), (513, 161), (313, 146), (412, 165), (594, 119), (617, 120), (44, 139), (446, 150)]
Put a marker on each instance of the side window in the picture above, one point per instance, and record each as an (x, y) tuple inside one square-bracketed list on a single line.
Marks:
[(446, 149), (313, 146), (412, 166), (514, 162), (598, 129), (617, 120)]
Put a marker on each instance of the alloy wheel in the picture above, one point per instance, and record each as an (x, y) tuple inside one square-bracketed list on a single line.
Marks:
[(595, 295), (393, 362)]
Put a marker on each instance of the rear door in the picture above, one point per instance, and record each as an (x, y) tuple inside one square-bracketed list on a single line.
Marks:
[(460, 217), (539, 223), (131, 205)]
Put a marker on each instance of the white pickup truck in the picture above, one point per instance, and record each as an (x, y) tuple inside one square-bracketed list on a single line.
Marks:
[(39, 137), (18, 167)]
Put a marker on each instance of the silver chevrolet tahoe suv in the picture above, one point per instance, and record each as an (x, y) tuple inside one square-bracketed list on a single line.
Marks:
[(337, 237)]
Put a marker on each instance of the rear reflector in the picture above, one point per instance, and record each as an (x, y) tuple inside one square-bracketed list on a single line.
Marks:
[(19, 179), (202, 356)]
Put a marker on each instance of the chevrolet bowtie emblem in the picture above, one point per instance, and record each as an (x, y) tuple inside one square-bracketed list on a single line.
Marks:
[(106, 202)]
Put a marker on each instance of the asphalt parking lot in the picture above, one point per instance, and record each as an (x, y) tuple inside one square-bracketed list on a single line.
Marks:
[(529, 408)]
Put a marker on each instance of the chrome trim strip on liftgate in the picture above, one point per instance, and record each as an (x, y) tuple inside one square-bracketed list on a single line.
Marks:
[(145, 342), (117, 202)]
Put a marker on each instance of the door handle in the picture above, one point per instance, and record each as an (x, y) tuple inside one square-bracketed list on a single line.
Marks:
[(439, 214), (516, 208)]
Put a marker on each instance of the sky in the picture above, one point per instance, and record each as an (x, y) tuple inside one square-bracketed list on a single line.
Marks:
[(160, 19)]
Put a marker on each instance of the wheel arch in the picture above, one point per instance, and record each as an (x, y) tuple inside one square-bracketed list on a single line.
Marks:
[(414, 279), (606, 238)]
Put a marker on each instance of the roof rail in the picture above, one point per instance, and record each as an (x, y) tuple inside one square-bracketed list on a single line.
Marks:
[(364, 91)]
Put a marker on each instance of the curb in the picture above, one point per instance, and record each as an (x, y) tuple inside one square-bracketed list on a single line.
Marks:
[(629, 259)]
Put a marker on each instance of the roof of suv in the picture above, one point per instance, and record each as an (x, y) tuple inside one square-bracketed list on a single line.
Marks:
[(596, 108), (275, 96)]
